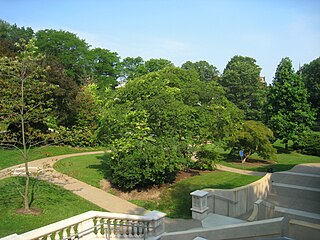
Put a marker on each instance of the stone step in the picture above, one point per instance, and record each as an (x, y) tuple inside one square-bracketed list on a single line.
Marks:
[(295, 191), (299, 179), (294, 202), (298, 214)]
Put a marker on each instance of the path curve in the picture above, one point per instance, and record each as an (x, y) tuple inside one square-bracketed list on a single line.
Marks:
[(95, 195), (239, 171)]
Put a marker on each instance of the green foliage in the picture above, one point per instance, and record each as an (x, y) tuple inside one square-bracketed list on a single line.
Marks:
[(289, 112), (310, 74), (241, 80), (206, 159), (142, 165), (25, 102), (105, 68), (10, 35), (308, 143), (169, 106), (206, 71), (253, 137)]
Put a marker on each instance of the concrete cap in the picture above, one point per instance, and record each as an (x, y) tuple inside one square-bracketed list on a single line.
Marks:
[(155, 215), (199, 193)]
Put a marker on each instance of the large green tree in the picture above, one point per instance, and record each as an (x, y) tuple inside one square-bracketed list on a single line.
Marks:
[(289, 112), (67, 57), (205, 70), (162, 114), (10, 35), (243, 86), (310, 74), (25, 104)]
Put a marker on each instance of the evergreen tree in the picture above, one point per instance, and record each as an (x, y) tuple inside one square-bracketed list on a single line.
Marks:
[(289, 112)]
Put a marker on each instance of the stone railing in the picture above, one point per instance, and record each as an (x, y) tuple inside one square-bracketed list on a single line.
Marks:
[(99, 225), (231, 202)]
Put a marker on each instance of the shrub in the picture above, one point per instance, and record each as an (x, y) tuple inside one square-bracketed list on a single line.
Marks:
[(143, 165), (206, 159), (309, 143)]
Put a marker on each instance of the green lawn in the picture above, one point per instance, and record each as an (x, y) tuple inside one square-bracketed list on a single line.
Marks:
[(11, 157), (175, 199), (56, 202), (284, 159), (87, 169)]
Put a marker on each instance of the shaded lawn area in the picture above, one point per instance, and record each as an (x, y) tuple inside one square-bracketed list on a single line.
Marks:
[(56, 202), (175, 199), (11, 157)]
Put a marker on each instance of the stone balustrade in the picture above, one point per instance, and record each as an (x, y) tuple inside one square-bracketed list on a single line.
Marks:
[(99, 225)]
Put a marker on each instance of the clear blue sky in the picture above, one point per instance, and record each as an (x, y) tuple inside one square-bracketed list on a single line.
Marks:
[(181, 30)]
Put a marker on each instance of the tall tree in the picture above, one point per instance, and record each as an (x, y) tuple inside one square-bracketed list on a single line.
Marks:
[(105, 68), (310, 74), (206, 71), (24, 103), (10, 35), (132, 68), (241, 80), (67, 56), (289, 112), (154, 65)]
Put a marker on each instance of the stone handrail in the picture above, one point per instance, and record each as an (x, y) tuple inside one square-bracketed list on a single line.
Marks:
[(97, 225)]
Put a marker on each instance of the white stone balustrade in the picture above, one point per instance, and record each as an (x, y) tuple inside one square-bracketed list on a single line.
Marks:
[(100, 225)]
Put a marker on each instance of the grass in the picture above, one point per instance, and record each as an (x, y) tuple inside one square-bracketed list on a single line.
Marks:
[(88, 169), (283, 161), (56, 202), (11, 157), (175, 200)]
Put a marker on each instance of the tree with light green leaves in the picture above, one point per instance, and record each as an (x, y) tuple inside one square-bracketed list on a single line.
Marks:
[(289, 112), (154, 121), (25, 105)]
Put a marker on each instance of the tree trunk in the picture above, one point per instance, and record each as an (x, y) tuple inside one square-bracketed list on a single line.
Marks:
[(25, 153)]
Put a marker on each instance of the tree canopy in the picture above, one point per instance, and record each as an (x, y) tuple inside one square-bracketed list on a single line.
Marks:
[(243, 86), (171, 110)]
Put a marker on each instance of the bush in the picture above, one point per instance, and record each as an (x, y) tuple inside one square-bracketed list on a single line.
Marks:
[(206, 159), (309, 143), (143, 165)]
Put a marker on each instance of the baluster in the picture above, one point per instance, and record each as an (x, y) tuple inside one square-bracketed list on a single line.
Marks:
[(71, 231), (127, 233), (114, 225), (132, 229), (102, 231), (108, 228)]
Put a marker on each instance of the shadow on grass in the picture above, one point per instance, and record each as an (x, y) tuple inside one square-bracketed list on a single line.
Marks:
[(103, 167)]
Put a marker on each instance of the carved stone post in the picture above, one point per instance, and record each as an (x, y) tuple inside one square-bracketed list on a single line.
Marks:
[(199, 204)]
